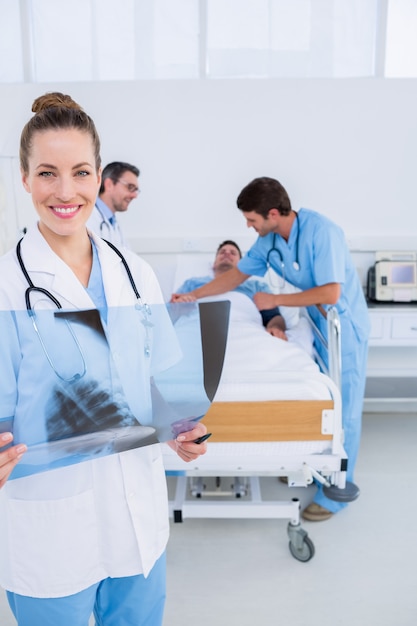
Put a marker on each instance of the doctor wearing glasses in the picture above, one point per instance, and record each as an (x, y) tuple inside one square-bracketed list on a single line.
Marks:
[(309, 251), (119, 186), (89, 537)]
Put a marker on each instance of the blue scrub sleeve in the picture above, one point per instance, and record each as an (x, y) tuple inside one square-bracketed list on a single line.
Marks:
[(329, 265), (252, 264)]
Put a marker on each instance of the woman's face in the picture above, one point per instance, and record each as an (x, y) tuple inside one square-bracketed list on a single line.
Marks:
[(62, 180)]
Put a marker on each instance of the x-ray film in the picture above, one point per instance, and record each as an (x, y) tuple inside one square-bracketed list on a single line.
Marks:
[(77, 388)]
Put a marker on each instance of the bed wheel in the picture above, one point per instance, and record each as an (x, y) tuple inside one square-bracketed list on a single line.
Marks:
[(177, 516), (304, 552), (348, 494), (300, 545)]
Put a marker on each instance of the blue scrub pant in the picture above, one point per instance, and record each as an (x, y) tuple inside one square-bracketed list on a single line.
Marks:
[(353, 391), (129, 601)]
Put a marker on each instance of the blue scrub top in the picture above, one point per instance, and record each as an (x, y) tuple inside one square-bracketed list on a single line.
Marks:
[(323, 257), (95, 287)]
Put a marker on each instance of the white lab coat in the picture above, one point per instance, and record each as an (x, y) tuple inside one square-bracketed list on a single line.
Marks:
[(100, 225), (64, 530)]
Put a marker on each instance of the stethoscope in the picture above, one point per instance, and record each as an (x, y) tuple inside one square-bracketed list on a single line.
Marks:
[(105, 223), (143, 308), (274, 249)]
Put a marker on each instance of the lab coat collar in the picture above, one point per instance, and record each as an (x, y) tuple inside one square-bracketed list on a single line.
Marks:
[(47, 270)]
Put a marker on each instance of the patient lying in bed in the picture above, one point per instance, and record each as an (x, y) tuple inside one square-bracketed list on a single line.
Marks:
[(257, 364), (227, 256)]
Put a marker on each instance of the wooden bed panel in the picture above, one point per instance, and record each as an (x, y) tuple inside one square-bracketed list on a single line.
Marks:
[(277, 420)]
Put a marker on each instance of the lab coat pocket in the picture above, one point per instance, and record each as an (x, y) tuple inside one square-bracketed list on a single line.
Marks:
[(51, 542)]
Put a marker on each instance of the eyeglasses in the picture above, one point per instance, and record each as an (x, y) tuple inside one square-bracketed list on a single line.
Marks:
[(130, 187)]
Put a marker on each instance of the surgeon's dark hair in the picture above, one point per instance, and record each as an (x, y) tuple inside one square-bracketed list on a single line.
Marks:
[(229, 242), (55, 111), (115, 170), (263, 194)]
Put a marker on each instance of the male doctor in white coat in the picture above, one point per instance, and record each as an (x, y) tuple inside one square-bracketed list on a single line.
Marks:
[(119, 186)]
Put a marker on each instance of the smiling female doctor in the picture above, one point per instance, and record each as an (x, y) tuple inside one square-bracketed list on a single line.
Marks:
[(89, 537)]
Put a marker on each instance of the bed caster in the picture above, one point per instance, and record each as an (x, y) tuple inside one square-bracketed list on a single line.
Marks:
[(197, 488), (300, 545), (239, 488), (348, 494)]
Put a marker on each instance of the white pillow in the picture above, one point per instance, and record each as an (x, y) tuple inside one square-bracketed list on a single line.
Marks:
[(190, 265)]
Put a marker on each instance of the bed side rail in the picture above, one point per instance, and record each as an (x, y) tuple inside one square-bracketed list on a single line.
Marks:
[(333, 345)]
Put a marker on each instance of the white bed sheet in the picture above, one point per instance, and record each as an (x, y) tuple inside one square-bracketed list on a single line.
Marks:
[(258, 366)]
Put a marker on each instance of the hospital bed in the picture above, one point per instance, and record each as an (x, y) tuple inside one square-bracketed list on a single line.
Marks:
[(282, 417)]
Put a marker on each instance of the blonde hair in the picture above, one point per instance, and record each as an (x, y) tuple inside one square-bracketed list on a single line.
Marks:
[(54, 111)]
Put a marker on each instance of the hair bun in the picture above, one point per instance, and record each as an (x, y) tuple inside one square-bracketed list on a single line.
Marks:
[(54, 99)]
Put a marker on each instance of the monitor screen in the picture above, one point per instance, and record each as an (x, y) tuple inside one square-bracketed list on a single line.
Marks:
[(403, 274)]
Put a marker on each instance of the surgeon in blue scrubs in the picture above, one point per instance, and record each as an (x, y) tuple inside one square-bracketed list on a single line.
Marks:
[(309, 251)]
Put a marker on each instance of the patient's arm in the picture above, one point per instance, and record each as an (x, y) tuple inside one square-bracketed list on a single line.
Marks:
[(276, 327), (224, 282)]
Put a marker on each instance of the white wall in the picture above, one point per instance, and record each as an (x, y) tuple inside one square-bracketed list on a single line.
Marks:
[(347, 148)]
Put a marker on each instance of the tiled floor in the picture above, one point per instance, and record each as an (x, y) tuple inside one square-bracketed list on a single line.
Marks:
[(364, 572)]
